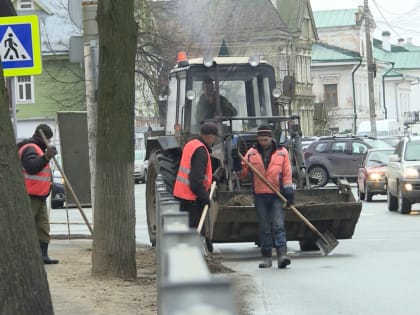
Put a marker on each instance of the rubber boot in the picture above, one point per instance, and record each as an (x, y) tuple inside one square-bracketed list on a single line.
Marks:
[(267, 262), (282, 259), (44, 251)]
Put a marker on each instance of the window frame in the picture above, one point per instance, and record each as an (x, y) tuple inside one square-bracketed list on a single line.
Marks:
[(24, 99)]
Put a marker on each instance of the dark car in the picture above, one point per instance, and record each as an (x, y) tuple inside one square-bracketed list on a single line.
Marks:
[(58, 196), (371, 175), (334, 157)]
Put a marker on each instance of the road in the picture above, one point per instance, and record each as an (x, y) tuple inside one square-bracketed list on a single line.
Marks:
[(376, 272)]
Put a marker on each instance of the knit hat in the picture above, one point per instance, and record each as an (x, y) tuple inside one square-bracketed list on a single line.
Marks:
[(45, 129), (210, 128), (264, 131)]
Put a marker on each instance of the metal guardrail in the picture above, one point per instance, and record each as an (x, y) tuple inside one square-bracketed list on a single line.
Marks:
[(184, 283)]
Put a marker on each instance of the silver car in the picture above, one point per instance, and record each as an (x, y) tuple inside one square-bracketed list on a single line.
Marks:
[(140, 167)]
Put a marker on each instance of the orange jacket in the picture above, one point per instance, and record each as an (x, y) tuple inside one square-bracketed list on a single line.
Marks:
[(278, 172), (182, 183), (37, 184)]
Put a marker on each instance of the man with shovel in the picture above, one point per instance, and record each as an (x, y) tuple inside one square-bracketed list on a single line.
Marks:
[(35, 157), (194, 178), (272, 161)]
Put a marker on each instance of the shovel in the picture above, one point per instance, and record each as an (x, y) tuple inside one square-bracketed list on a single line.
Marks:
[(206, 209), (68, 185), (326, 242)]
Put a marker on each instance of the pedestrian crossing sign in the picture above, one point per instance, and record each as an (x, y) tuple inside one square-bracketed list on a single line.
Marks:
[(20, 48)]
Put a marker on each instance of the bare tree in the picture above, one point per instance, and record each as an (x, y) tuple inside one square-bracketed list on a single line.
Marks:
[(23, 285), (114, 214)]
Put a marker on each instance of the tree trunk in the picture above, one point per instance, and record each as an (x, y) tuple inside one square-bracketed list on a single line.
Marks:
[(114, 214), (23, 281)]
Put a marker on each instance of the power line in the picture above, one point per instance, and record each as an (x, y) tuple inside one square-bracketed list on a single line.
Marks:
[(386, 21)]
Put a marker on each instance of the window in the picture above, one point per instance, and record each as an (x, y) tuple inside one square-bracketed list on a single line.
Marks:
[(24, 89), (330, 95), (358, 148), (338, 147), (25, 5)]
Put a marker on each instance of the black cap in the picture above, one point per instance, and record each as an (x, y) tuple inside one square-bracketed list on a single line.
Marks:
[(45, 129), (210, 128)]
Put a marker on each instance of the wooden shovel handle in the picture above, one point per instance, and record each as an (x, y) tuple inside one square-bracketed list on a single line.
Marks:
[(68, 184), (282, 198), (206, 208)]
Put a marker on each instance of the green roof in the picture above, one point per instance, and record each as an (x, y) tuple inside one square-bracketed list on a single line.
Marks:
[(402, 60), (328, 53), (335, 18)]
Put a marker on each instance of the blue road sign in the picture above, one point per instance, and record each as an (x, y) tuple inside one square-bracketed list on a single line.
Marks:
[(20, 50)]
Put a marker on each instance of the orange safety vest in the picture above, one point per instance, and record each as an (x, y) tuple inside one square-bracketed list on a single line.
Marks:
[(38, 184), (182, 183), (278, 172)]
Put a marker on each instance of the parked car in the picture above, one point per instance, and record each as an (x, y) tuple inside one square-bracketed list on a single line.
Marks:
[(58, 192), (140, 167), (402, 175), (333, 157), (371, 174), (58, 196), (392, 140), (307, 140)]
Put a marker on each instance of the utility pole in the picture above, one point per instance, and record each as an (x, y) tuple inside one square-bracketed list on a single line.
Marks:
[(90, 46), (371, 67)]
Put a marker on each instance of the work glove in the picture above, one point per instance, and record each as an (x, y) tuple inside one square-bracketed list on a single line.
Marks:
[(289, 195), (237, 166), (217, 175), (204, 199), (50, 152)]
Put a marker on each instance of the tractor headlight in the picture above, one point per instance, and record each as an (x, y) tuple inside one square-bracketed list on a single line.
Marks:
[(208, 61), (190, 95), (276, 92), (254, 60)]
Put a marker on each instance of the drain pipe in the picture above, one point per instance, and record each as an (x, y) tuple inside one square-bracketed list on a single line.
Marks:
[(354, 97), (383, 89)]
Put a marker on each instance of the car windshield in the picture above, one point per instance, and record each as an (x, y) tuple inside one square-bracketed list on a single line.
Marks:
[(379, 158), (378, 143), (412, 152)]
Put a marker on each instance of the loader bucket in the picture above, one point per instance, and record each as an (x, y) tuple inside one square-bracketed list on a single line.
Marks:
[(329, 209)]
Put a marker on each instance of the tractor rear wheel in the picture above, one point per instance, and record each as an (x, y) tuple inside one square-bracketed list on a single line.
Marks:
[(166, 164)]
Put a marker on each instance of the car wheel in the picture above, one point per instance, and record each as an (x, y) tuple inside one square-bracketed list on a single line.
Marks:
[(361, 193), (392, 201), (145, 176), (404, 206), (319, 175)]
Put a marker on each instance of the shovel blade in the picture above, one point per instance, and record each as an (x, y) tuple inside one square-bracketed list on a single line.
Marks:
[(327, 243)]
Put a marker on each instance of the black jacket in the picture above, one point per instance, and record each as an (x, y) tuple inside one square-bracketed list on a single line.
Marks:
[(198, 171)]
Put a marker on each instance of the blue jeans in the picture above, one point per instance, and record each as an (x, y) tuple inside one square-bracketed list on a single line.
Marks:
[(271, 222)]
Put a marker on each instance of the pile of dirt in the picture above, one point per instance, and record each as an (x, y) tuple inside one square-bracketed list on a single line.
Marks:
[(240, 200)]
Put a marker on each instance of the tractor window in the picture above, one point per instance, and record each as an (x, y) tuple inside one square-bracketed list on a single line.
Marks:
[(244, 92), (171, 110)]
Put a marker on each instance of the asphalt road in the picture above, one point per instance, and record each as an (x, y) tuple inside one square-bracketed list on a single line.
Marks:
[(376, 272)]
